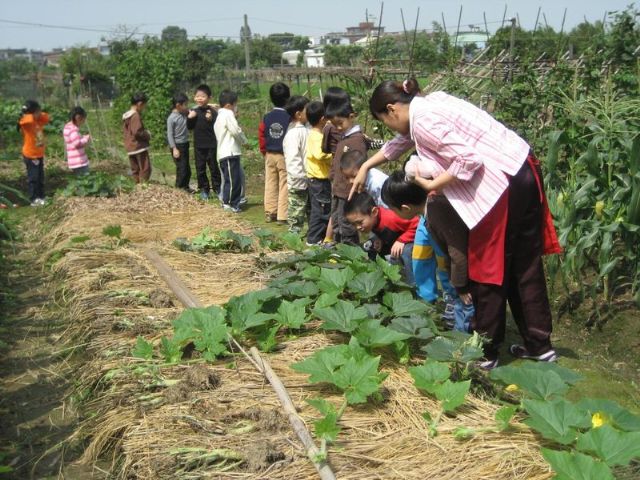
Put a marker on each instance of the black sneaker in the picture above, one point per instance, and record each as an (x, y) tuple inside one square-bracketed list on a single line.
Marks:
[(487, 364), (520, 351)]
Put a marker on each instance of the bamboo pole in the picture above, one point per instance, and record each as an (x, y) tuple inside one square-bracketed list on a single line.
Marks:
[(185, 295)]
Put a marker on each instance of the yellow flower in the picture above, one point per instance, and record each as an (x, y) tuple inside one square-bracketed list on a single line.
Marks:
[(597, 420), (333, 260), (512, 388)]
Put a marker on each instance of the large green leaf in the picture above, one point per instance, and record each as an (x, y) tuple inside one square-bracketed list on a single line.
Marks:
[(350, 252), (617, 415), (556, 420), (402, 304), (334, 279), (292, 314), (372, 334), (391, 271), (430, 375), (322, 365), (418, 327), (612, 446), (326, 300), (300, 289), (143, 349), (576, 466), (193, 322), (359, 378), (212, 342), (452, 394), (343, 316), (170, 350), (367, 284), (536, 383)]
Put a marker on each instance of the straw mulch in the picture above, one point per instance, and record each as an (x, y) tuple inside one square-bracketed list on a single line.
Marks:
[(222, 421)]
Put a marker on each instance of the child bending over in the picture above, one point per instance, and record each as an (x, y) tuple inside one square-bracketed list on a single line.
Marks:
[(351, 162), (395, 234)]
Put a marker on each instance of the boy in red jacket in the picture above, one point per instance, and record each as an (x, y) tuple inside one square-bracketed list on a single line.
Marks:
[(393, 235)]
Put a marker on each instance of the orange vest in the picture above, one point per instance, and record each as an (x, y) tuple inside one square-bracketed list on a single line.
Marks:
[(33, 134)]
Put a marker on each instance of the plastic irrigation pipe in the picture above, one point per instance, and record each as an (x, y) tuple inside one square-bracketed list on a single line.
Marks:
[(188, 299)]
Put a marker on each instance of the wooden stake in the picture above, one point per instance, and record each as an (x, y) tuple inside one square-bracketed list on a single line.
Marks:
[(298, 425)]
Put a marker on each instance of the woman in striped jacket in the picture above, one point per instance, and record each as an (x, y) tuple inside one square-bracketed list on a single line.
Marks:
[(75, 143), (494, 183)]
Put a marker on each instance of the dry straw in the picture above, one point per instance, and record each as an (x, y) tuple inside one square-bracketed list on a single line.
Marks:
[(222, 421)]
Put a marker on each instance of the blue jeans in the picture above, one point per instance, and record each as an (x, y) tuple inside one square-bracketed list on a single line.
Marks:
[(428, 261), (406, 262), (463, 314)]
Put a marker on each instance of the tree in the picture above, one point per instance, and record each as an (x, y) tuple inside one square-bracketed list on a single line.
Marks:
[(342, 55), (173, 33)]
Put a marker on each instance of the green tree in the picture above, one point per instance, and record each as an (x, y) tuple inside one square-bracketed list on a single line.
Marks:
[(172, 33), (342, 55)]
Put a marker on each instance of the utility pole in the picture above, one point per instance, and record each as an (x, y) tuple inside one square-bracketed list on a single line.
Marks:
[(512, 44), (246, 37)]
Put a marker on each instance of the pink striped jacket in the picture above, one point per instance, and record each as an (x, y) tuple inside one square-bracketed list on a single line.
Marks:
[(455, 136), (74, 142)]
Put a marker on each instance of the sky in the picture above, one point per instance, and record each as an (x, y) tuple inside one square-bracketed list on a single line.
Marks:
[(66, 23)]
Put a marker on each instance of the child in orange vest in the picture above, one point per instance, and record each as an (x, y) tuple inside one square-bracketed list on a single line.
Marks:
[(31, 125)]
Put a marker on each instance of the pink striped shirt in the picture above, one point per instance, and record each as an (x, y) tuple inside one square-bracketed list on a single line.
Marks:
[(74, 143), (455, 136)]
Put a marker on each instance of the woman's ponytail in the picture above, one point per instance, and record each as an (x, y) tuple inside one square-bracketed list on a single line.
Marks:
[(390, 92)]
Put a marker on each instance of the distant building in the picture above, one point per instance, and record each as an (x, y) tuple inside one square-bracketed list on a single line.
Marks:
[(35, 56), (352, 34), (312, 58), (52, 58), (472, 36)]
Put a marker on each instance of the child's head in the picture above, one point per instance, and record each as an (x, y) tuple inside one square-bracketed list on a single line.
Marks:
[(279, 93), (350, 163), (31, 106), (179, 102), (315, 114), (77, 115), (341, 114), (228, 99), (335, 95), (361, 212), (203, 94), (139, 101), (405, 198), (295, 108), (390, 101)]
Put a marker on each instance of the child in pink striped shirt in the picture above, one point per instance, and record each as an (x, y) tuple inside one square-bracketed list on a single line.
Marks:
[(75, 143)]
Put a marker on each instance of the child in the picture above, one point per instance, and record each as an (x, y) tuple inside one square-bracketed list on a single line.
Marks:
[(74, 142), (395, 233), (136, 139), (351, 162), (230, 140), (318, 164), (178, 139), (341, 114), (201, 120), (270, 135), (446, 227), (294, 147), (31, 125)]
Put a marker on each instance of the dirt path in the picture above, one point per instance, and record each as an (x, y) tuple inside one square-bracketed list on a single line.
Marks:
[(34, 376)]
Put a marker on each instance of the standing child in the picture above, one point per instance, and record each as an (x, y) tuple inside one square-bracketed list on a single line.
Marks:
[(394, 234), (74, 142), (343, 118), (318, 164), (445, 226), (201, 120), (178, 139), (136, 139), (270, 135), (230, 140), (31, 125), (295, 147)]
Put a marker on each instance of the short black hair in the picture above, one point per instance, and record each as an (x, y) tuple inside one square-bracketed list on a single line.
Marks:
[(30, 106), (352, 159), (335, 95), (338, 108), (279, 93), (204, 88), (77, 111), (227, 97), (138, 97), (398, 191), (179, 99), (362, 203), (295, 104), (315, 112)]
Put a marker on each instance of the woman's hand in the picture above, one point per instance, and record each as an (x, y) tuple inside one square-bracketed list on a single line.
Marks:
[(360, 181), (437, 183)]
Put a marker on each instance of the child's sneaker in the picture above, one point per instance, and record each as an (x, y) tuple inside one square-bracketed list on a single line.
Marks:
[(487, 364), (228, 208), (204, 196), (519, 351), (449, 315), (243, 201)]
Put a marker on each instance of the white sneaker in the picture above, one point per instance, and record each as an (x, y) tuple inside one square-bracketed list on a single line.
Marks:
[(41, 201)]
